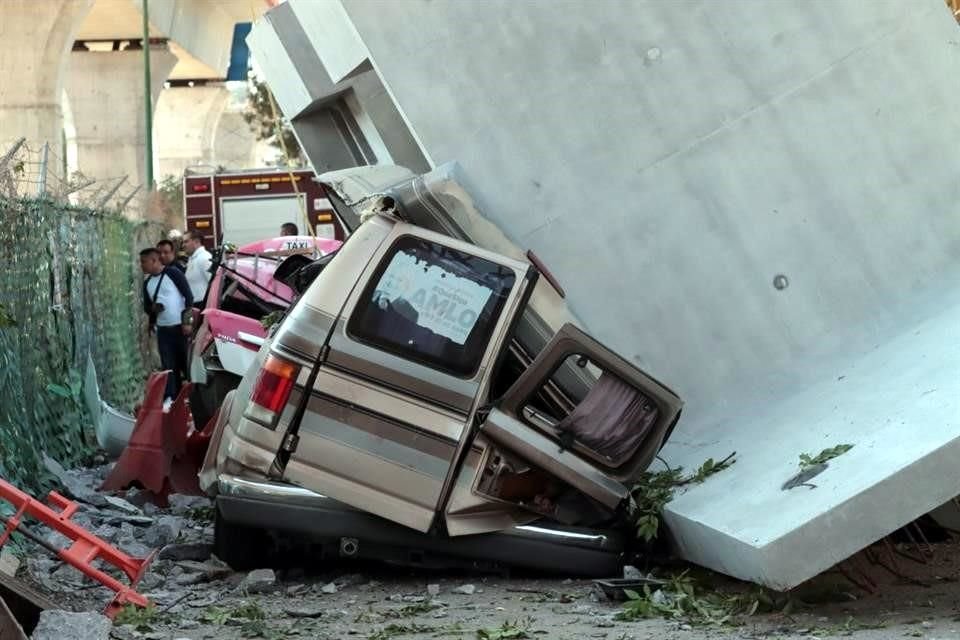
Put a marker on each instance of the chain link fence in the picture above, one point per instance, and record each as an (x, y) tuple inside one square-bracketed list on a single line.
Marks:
[(70, 283)]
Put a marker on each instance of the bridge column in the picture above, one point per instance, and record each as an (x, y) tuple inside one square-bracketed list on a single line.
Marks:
[(37, 37), (106, 100)]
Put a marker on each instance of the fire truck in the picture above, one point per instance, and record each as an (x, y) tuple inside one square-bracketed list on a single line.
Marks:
[(241, 207)]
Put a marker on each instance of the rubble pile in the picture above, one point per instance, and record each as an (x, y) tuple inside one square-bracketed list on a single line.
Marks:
[(195, 596)]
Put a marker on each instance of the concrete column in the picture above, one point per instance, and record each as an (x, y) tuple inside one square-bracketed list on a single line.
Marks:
[(202, 125), (106, 98), (184, 126), (37, 37)]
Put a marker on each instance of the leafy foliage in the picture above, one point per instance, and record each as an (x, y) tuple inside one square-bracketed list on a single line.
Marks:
[(6, 320), (507, 631), (680, 599), (170, 192), (395, 630), (271, 319), (807, 461), (216, 615), (411, 610), (265, 121), (654, 489), (141, 619)]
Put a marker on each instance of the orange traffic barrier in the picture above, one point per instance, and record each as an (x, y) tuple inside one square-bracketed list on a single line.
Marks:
[(85, 548)]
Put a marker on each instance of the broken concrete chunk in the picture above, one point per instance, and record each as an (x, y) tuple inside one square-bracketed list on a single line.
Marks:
[(150, 581), (9, 563), (163, 531), (73, 486), (630, 572), (67, 575), (180, 504), (305, 611), (122, 505), (259, 581), (198, 552), (466, 589), (134, 548), (351, 579), (330, 587), (433, 589), (65, 625)]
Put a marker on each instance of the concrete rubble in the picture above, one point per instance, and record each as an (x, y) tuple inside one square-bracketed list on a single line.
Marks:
[(66, 625), (197, 596)]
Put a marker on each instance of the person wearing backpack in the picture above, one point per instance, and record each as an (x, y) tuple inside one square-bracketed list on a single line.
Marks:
[(167, 301)]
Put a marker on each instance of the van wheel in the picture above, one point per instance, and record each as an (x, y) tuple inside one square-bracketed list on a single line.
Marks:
[(243, 548)]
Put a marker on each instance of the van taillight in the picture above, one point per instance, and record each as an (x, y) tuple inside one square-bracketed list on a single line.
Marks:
[(272, 389)]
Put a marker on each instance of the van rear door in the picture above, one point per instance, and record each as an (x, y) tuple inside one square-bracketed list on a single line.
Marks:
[(579, 414), (405, 364)]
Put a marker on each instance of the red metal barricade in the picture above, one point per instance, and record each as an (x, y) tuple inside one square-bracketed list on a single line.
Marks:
[(85, 548)]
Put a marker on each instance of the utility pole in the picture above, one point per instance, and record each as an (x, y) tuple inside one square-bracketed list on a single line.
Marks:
[(147, 97)]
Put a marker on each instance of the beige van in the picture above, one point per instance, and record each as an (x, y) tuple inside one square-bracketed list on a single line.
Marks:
[(429, 400)]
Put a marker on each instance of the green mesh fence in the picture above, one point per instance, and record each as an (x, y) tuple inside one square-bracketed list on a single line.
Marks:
[(70, 280)]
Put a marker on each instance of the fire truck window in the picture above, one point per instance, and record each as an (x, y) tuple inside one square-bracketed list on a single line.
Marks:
[(433, 305)]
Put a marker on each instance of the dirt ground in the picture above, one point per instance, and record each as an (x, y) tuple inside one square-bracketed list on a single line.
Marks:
[(893, 590), (383, 603)]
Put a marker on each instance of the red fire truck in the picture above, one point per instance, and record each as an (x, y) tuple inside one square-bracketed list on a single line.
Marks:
[(245, 206)]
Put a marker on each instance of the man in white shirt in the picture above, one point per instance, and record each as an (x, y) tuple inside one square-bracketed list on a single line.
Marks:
[(167, 300), (198, 265)]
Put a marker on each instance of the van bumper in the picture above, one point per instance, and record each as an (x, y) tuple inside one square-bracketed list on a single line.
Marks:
[(282, 507)]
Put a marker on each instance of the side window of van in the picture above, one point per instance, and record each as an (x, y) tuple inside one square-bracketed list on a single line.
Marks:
[(433, 305)]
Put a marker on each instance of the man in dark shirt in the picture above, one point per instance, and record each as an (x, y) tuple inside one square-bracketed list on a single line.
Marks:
[(167, 301), (168, 255)]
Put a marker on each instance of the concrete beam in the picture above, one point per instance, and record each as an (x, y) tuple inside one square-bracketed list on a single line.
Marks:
[(670, 161), (106, 99), (37, 37)]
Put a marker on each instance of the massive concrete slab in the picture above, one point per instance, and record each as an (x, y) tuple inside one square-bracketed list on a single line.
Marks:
[(668, 161), (898, 404)]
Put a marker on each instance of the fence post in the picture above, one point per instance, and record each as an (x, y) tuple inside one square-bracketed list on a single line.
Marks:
[(42, 180)]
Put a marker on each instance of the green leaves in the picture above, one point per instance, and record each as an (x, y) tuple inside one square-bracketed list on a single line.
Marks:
[(6, 320), (141, 619), (681, 599), (653, 490), (516, 630), (807, 461)]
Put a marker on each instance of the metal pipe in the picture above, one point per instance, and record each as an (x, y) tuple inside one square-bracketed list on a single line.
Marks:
[(147, 98)]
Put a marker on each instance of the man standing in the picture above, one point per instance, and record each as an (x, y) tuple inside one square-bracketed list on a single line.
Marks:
[(168, 255), (166, 301), (198, 265), (289, 229)]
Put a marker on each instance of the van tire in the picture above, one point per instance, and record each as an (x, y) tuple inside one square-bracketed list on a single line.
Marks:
[(242, 548)]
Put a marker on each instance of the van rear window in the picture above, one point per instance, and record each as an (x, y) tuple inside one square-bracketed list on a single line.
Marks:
[(432, 304)]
